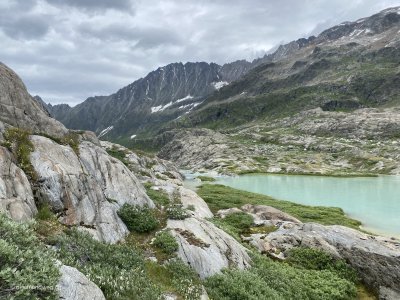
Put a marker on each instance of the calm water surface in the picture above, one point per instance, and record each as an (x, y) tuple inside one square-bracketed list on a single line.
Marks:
[(375, 201)]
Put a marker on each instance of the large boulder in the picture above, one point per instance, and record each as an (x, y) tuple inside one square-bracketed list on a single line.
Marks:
[(19, 109), (16, 198), (73, 285), (264, 212), (86, 192), (206, 248), (190, 198), (373, 257)]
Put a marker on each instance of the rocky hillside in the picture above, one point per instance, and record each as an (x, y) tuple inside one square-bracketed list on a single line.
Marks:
[(145, 105)]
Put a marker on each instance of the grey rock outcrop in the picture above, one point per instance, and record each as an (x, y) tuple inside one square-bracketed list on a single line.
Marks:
[(199, 149), (16, 198), (388, 294), (73, 285), (19, 109), (80, 189), (206, 248), (190, 198), (264, 212), (117, 181), (223, 213)]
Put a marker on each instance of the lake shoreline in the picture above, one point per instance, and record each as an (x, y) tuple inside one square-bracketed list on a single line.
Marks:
[(362, 198)]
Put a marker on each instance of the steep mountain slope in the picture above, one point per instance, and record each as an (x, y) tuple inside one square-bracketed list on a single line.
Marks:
[(326, 105), (146, 104)]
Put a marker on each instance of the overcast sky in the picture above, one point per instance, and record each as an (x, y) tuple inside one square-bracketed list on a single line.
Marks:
[(68, 50)]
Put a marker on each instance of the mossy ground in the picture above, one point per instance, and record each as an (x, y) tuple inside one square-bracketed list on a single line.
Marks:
[(223, 197)]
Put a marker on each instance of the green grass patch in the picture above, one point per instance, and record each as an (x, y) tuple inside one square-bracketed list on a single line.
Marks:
[(159, 197), (118, 154), (206, 178), (70, 139), (45, 213), (223, 197)]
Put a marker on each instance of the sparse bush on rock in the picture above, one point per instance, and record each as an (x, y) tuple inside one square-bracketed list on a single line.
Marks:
[(166, 242), (139, 219)]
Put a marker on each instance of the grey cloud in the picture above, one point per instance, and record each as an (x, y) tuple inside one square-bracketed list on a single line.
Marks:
[(141, 37), (94, 4), (18, 21), (25, 27)]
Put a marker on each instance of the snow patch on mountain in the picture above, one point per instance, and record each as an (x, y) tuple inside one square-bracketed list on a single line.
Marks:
[(185, 98), (105, 131), (219, 84)]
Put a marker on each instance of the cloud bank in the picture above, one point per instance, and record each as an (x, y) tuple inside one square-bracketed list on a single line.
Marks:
[(68, 50)]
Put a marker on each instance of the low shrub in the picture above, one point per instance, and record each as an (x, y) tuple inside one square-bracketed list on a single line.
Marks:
[(166, 242), (27, 267), (44, 213), (119, 269), (238, 284), (18, 142), (235, 224), (185, 279), (118, 154), (268, 279), (139, 219), (314, 259), (176, 212)]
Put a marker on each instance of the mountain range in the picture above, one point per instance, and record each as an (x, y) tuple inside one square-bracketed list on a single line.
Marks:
[(348, 66)]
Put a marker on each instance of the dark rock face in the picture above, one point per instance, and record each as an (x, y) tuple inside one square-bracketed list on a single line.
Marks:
[(335, 105), (42, 104), (163, 95)]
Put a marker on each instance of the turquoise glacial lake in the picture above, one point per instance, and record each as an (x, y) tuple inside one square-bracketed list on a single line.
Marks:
[(375, 201)]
